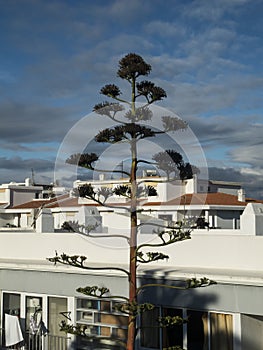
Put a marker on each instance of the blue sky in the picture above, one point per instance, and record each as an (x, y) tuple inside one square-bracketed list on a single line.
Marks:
[(207, 55)]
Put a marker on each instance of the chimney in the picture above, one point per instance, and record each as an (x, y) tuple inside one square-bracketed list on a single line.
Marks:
[(28, 182), (241, 195)]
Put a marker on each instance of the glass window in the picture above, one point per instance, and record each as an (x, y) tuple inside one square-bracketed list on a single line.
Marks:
[(55, 307), (102, 320), (203, 326), (150, 335), (172, 336), (88, 304), (105, 305), (33, 313), (221, 328), (197, 330), (11, 304), (203, 331)]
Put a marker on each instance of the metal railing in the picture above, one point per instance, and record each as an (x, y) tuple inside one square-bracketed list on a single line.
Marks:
[(46, 342), (55, 342), (39, 342)]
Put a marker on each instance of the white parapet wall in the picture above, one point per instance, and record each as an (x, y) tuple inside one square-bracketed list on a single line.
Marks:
[(90, 218), (44, 221), (210, 251), (251, 221)]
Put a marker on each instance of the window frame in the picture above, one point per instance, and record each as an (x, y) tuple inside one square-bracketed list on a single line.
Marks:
[(236, 327), (44, 298)]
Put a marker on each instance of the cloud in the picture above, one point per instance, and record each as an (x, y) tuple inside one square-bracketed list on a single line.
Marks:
[(58, 55), (164, 29), (30, 123), (251, 182), (125, 10), (249, 154), (17, 169), (199, 10), (218, 128), (18, 162)]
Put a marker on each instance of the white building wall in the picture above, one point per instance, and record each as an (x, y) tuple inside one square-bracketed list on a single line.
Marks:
[(252, 219), (116, 223), (191, 185), (206, 250), (44, 221), (168, 191), (4, 195)]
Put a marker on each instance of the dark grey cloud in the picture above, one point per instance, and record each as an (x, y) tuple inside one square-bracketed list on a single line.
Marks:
[(17, 169), (31, 123), (238, 142), (252, 183), (221, 129), (25, 164)]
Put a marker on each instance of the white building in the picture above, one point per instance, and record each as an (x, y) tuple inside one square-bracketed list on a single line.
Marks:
[(225, 316)]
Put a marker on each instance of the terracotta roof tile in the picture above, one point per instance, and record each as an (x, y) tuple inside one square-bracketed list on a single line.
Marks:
[(61, 201), (217, 198), (70, 202)]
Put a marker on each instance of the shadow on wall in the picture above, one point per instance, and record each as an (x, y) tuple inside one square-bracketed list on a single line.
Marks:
[(205, 329), (171, 303)]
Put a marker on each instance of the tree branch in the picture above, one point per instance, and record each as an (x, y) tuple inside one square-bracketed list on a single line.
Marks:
[(78, 261), (173, 238), (97, 292), (189, 284), (104, 236)]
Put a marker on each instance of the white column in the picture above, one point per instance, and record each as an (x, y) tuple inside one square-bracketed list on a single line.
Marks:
[(237, 331), (45, 309), (72, 309), (23, 306)]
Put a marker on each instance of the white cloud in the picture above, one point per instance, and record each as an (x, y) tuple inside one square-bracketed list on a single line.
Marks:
[(199, 9), (164, 29), (251, 171), (249, 154)]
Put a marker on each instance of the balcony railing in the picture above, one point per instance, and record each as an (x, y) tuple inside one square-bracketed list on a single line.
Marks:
[(39, 342)]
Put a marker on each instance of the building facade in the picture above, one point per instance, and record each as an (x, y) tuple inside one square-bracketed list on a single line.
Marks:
[(227, 315)]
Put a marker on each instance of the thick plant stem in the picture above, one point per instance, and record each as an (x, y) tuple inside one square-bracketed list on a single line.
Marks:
[(133, 248), (133, 235), (132, 293)]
